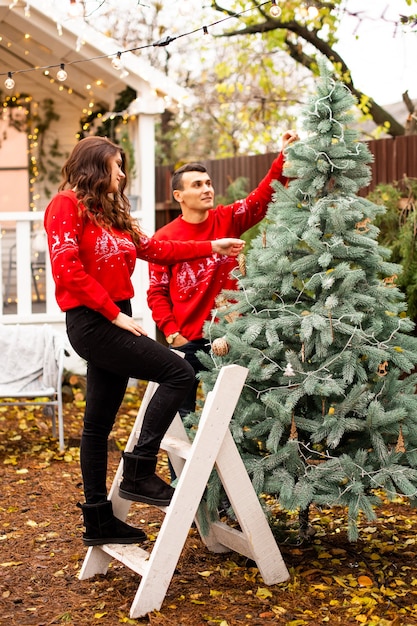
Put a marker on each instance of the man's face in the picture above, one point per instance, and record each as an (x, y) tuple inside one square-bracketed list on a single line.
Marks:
[(197, 192)]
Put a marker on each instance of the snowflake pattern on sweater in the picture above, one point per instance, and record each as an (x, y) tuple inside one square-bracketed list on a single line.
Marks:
[(182, 296), (92, 266)]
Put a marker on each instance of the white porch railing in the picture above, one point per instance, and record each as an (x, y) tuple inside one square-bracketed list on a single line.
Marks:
[(24, 300), (26, 284)]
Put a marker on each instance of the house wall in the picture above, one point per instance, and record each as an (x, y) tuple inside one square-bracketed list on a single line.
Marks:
[(17, 193), (28, 279), (14, 167)]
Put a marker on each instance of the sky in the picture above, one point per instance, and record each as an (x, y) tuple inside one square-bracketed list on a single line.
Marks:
[(382, 58)]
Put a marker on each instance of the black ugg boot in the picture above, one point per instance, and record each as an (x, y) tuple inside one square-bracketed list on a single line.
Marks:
[(141, 484), (101, 526)]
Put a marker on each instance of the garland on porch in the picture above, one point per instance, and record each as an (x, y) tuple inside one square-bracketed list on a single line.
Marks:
[(24, 114)]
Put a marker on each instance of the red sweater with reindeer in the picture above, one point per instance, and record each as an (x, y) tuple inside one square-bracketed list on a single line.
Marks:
[(182, 295), (92, 266)]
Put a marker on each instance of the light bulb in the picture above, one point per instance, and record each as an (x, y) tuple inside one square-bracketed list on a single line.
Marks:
[(61, 73), (313, 12), (75, 9), (9, 82), (117, 62), (275, 10)]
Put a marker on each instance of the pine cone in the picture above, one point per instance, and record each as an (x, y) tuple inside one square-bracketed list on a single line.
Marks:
[(242, 264)]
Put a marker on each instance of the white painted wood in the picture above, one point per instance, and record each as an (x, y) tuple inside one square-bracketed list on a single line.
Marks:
[(134, 557), (144, 143), (213, 446), (260, 542), (20, 227), (23, 269)]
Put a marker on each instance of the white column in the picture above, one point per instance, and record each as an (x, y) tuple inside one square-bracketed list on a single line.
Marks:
[(143, 137)]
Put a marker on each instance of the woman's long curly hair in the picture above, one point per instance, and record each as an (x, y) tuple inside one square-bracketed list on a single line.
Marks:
[(87, 171)]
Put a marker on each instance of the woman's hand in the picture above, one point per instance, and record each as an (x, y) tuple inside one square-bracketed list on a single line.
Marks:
[(228, 246), (128, 323)]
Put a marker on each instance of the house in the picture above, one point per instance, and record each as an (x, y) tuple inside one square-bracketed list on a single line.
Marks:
[(55, 71)]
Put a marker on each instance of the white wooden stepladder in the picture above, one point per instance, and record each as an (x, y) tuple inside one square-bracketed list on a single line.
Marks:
[(213, 446)]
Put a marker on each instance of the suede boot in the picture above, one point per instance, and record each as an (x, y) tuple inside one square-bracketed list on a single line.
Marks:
[(101, 526), (141, 484)]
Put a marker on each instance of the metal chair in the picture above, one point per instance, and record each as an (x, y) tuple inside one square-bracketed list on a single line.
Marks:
[(31, 369)]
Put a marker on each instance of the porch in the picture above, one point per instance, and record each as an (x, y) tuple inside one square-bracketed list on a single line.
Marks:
[(27, 286)]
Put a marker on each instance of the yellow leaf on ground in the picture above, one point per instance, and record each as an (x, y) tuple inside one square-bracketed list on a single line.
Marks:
[(324, 555), (197, 602), (263, 592)]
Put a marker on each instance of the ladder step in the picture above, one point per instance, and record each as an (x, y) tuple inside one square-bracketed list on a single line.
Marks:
[(129, 554), (233, 539), (176, 446)]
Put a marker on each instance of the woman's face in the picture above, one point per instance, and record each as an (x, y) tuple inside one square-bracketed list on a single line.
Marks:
[(116, 172)]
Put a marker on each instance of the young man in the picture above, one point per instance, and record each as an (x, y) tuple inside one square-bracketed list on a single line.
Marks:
[(182, 296)]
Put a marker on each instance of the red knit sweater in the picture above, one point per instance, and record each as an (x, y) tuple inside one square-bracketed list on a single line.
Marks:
[(92, 266), (182, 296)]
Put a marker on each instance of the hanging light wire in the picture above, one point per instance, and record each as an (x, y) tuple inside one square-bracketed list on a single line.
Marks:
[(117, 55)]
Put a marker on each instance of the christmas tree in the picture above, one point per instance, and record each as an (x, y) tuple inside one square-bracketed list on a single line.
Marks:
[(328, 415)]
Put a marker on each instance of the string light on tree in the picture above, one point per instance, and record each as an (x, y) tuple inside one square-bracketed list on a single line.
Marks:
[(329, 410)]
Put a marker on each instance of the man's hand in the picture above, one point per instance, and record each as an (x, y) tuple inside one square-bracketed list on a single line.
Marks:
[(228, 246), (128, 323), (179, 341), (289, 137)]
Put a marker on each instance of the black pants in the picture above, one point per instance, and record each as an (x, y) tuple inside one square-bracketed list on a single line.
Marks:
[(190, 350), (114, 355)]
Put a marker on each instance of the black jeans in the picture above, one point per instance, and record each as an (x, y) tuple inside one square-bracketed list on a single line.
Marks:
[(190, 350), (114, 355)]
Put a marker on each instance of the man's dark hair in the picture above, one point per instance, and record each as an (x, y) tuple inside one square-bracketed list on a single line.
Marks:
[(176, 182)]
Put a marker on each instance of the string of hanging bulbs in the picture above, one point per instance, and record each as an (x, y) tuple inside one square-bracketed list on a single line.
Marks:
[(309, 8), (116, 59)]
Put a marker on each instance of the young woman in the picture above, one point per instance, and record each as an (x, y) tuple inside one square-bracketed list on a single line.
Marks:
[(93, 245)]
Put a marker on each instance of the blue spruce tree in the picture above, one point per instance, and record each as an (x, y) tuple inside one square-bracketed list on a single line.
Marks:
[(328, 415)]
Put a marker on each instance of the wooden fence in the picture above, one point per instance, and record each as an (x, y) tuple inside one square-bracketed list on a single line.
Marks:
[(393, 158), (26, 284)]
